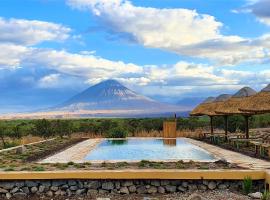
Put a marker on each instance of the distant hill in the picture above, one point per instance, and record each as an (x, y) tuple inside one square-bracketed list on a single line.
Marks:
[(190, 102)]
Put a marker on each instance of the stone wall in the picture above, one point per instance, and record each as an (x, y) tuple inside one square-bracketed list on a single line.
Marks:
[(52, 188)]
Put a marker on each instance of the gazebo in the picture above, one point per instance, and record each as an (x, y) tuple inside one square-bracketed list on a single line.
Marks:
[(208, 108), (232, 105), (259, 103), (201, 110)]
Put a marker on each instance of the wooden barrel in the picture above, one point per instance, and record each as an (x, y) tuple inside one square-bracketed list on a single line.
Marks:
[(169, 129)]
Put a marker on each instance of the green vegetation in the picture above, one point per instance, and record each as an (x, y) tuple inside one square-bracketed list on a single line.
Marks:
[(247, 185), (117, 132), (265, 195)]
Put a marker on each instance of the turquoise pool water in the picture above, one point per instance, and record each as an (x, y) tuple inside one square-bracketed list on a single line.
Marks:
[(147, 149)]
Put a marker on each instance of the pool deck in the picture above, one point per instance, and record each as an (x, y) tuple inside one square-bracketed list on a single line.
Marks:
[(78, 152), (232, 157), (75, 153)]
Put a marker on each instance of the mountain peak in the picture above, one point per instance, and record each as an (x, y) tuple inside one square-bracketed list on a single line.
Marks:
[(110, 83)]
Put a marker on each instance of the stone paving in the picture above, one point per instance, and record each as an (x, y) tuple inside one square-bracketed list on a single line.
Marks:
[(231, 156), (76, 154)]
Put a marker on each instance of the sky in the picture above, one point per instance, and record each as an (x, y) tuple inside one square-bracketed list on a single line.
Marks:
[(168, 50)]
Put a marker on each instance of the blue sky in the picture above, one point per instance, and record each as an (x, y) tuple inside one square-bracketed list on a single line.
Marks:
[(167, 50)]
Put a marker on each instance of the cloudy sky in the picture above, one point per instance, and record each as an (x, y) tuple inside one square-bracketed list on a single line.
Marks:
[(167, 50)]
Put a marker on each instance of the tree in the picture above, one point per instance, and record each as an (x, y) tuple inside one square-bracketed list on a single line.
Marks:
[(43, 128), (3, 133)]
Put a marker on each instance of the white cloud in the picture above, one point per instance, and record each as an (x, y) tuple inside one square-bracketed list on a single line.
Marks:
[(49, 81), (31, 32), (185, 32), (160, 28), (12, 55)]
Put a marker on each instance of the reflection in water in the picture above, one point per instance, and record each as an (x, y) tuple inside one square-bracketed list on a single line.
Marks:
[(169, 142), (117, 142)]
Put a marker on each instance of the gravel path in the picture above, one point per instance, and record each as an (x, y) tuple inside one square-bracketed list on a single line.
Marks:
[(209, 195)]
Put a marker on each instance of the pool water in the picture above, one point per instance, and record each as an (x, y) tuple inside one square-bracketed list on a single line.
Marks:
[(147, 149)]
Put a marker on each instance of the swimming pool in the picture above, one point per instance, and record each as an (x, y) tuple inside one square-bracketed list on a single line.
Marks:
[(147, 149)]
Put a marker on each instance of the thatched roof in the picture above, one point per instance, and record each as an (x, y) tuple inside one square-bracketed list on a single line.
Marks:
[(201, 108), (259, 103), (231, 106), (209, 107)]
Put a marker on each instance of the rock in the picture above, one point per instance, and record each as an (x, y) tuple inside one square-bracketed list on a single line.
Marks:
[(31, 183), (222, 186), (93, 185), (101, 191), (21, 150), (58, 183), (141, 190), (7, 185), (212, 185), (117, 185), (164, 182), (107, 186), (64, 187), (8, 195), (26, 190), (58, 193), (19, 184), (132, 189), (49, 193), (68, 192), (182, 189), (72, 182), (192, 187), (152, 190), (73, 188), (41, 189), (3, 191), (54, 188), (185, 184), (34, 189), (127, 183), (256, 195), (194, 197), (155, 183), (170, 188), (92, 192), (80, 191), (124, 190), (202, 187), (205, 182), (161, 190), (103, 198), (14, 190), (19, 195)]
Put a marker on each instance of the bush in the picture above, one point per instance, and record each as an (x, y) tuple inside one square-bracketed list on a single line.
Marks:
[(265, 195), (117, 132), (247, 185)]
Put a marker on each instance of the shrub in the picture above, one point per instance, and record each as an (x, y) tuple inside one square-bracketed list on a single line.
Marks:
[(117, 132), (265, 195), (247, 185)]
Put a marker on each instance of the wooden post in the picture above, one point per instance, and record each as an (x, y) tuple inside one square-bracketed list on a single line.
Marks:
[(226, 126), (211, 124), (247, 126)]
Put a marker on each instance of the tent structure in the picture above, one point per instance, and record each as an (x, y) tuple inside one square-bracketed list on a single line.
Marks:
[(232, 105), (208, 108), (259, 103)]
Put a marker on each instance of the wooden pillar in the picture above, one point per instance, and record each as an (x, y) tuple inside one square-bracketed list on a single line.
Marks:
[(211, 125), (226, 126), (247, 126)]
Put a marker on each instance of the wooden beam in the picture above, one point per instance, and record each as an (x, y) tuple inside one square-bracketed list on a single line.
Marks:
[(211, 125), (226, 126)]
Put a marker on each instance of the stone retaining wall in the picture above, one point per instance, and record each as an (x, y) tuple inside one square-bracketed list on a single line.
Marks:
[(92, 188)]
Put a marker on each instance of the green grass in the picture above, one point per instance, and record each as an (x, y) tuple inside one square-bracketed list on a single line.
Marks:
[(247, 185)]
